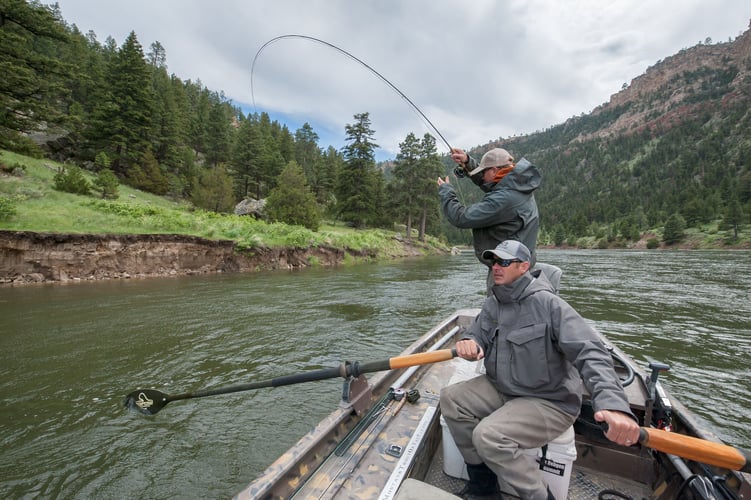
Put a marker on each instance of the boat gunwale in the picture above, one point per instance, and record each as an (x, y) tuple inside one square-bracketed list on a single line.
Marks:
[(282, 480), (312, 448)]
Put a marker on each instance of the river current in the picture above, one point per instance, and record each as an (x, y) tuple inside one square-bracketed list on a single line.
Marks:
[(70, 353)]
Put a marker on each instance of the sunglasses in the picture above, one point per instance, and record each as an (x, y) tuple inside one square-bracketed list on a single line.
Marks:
[(505, 262)]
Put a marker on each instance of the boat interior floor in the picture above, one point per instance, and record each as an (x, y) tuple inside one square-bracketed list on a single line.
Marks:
[(585, 484)]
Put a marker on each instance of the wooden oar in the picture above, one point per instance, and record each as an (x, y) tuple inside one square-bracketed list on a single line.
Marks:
[(698, 450), (151, 401)]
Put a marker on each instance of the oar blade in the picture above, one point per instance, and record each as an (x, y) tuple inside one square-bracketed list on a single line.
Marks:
[(146, 401)]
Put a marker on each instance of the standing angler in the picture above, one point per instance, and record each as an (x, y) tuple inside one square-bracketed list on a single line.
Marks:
[(508, 211)]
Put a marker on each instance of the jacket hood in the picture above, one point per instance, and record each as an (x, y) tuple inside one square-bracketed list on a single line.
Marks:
[(525, 178), (528, 284)]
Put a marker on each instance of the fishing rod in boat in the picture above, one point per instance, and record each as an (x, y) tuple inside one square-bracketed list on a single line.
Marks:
[(151, 401), (459, 171)]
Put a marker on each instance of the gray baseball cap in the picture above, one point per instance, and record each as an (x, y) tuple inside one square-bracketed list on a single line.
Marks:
[(509, 250)]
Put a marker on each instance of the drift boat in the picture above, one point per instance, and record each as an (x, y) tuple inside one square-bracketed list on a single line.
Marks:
[(387, 439)]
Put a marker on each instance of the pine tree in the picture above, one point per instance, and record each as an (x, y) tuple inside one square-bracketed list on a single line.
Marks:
[(285, 142), (86, 83), (307, 153), (70, 178), (148, 175), (106, 183), (733, 217), (169, 119), (380, 215), (674, 229), (272, 157), (245, 164), (123, 121), (200, 104), (291, 201), (356, 189), (213, 190), (327, 171), (32, 79), (218, 132), (406, 184), (430, 169)]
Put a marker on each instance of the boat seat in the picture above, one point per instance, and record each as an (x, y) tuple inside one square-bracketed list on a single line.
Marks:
[(412, 489), (552, 273)]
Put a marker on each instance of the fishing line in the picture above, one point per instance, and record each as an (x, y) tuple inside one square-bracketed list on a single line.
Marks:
[(383, 78)]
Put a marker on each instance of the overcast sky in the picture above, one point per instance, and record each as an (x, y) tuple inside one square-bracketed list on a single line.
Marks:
[(478, 69)]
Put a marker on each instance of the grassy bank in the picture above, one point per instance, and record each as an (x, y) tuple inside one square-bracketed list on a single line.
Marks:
[(36, 206)]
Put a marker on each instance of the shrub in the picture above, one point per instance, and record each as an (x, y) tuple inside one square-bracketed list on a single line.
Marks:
[(291, 201), (106, 183), (213, 190), (15, 169), (71, 180), (653, 243), (674, 230), (101, 162), (7, 208)]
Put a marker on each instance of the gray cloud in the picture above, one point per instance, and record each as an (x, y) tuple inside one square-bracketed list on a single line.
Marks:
[(479, 69)]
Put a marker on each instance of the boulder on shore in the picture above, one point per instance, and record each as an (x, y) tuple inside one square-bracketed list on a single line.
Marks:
[(253, 207)]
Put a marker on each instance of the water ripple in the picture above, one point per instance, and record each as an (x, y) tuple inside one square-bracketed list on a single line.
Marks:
[(70, 354)]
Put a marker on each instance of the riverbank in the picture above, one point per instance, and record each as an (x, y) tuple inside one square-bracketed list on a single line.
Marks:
[(37, 257), (28, 257), (54, 236), (49, 235)]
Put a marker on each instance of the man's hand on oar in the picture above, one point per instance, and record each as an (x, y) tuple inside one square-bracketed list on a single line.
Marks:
[(696, 449), (151, 401), (693, 448)]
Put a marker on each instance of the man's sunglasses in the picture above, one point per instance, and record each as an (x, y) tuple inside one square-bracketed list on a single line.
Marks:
[(505, 262)]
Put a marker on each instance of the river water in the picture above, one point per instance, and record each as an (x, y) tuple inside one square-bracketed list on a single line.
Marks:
[(70, 353)]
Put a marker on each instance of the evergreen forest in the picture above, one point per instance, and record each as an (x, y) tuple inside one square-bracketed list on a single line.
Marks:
[(115, 112)]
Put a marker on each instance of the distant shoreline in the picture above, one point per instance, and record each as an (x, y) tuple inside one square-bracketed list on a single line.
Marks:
[(41, 257)]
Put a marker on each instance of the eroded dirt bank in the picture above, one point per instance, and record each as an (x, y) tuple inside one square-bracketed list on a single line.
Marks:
[(30, 257)]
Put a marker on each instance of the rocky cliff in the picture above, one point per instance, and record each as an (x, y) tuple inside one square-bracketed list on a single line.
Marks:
[(704, 78), (28, 257)]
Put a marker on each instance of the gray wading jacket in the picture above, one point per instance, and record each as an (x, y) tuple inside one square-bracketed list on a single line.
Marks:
[(537, 345), (507, 211)]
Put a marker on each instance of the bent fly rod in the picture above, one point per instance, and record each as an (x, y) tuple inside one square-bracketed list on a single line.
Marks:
[(331, 45)]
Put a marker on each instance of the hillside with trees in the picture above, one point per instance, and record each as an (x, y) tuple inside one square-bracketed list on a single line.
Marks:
[(668, 154), (116, 110)]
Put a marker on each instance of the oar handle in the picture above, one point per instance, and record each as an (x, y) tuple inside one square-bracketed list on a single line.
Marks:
[(421, 358), (699, 450)]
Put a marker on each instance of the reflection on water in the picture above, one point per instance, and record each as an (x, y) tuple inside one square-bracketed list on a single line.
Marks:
[(70, 353)]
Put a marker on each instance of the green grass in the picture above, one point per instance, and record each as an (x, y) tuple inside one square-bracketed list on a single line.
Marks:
[(39, 207)]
